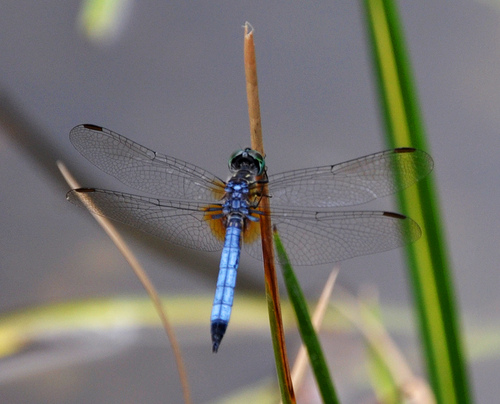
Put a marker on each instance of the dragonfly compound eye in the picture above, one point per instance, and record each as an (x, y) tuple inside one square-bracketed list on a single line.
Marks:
[(248, 159)]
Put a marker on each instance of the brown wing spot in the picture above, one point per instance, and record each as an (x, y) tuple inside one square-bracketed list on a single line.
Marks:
[(85, 190), (92, 127), (216, 225), (251, 232), (394, 215), (404, 150)]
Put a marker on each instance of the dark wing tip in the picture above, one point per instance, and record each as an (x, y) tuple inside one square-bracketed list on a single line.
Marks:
[(411, 230), (92, 127), (395, 215), (423, 161), (405, 150), (85, 190)]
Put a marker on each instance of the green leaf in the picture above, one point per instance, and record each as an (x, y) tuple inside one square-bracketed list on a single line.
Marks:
[(429, 269), (306, 329)]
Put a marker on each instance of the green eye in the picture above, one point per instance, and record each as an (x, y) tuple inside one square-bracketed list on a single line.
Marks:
[(247, 158)]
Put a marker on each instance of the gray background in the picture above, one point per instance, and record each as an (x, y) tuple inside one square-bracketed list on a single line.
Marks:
[(174, 82)]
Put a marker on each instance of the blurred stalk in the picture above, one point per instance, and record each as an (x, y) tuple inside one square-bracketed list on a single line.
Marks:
[(427, 259), (102, 21), (141, 274)]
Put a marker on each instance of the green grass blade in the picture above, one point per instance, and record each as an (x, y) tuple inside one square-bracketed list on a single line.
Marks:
[(306, 329), (384, 383), (428, 258)]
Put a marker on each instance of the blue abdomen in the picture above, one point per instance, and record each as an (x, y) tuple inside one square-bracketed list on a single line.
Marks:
[(224, 293)]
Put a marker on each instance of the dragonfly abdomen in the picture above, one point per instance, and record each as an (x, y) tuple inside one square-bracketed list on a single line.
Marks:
[(226, 281)]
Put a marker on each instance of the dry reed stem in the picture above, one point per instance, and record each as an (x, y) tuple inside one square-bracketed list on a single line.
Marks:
[(143, 278), (265, 221), (300, 365), (413, 388)]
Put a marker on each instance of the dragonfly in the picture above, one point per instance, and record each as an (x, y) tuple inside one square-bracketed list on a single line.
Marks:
[(193, 208)]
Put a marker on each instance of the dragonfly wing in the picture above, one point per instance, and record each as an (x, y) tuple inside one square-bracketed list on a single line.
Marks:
[(144, 169), (187, 224), (312, 238), (352, 182)]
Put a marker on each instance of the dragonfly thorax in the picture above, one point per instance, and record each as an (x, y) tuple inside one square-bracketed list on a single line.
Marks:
[(236, 201)]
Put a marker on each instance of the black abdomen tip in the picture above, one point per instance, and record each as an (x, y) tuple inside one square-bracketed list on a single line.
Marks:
[(218, 329)]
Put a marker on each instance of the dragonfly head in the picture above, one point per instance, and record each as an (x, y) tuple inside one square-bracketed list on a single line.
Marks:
[(247, 159)]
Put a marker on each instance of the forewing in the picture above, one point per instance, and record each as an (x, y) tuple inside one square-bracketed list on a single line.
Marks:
[(183, 223), (312, 238), (352, 182), (144, 169)]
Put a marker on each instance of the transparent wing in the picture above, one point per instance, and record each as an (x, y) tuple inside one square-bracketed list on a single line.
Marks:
[(182, 223), (312, 238), (144, 169), (352, 182)]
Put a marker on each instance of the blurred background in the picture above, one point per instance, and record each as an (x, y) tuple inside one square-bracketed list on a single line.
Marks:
[(169, 75)]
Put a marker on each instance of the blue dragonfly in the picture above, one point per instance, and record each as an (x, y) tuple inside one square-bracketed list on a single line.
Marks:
[(196, 209)]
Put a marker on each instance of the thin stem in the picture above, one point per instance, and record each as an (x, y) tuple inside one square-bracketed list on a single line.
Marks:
[(272, 293), (144, 279)]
